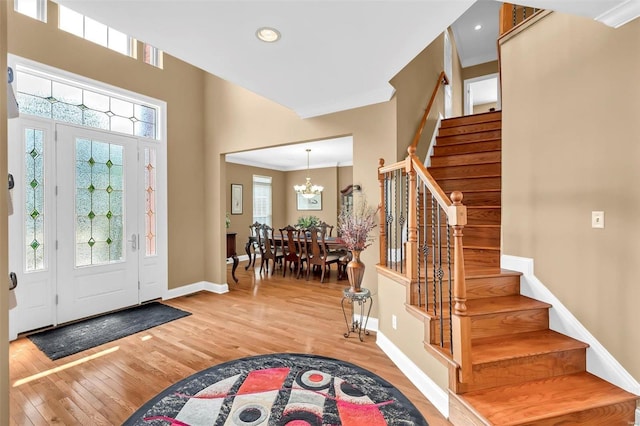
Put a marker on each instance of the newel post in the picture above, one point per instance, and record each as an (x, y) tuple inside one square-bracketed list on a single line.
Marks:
[(461, 323), (383, 215), (412, 219)]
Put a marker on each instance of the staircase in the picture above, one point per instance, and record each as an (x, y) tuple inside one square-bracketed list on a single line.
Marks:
[(523, 373)]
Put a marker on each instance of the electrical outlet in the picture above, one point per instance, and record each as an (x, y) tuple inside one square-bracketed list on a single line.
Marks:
[(394, 322), (597, 219)]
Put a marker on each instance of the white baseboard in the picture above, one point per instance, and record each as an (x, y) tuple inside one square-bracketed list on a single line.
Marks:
[(599, 361), (372, 323), (434, 393), (194, 288), (241, 258)]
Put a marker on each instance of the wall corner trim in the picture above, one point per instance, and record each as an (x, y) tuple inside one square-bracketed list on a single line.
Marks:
[(194, 288), (599, 361), (434, 393)]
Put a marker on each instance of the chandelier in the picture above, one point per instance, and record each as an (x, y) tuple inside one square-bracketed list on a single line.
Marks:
[(308, 190)]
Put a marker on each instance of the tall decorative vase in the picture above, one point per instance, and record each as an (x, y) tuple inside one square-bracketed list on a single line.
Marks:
[(355, 272)]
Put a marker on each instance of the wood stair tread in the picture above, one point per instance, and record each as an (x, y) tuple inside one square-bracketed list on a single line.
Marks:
[(503, 304), (474, 118), (493, 305), (498, 348), (537, 400)]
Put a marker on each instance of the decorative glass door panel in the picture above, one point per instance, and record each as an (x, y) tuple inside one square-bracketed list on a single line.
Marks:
[(97, 224), (99, 210)]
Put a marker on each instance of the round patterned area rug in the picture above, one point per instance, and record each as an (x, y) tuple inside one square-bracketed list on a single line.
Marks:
[(280, 389)]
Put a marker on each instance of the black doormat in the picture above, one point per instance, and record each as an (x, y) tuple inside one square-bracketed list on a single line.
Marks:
[(280, 389), (77, 337)]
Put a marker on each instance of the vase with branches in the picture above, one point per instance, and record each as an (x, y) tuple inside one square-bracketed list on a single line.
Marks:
[(355, 226)]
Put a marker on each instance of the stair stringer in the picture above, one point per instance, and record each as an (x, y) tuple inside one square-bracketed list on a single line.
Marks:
[(599, 361)]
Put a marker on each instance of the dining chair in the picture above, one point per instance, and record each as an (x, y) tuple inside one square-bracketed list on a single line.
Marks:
[(294, 253), (254, 241), (327, 228), (317, 253), (269, 249)]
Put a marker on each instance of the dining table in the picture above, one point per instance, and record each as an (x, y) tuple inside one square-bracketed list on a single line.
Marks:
[(332, 243)]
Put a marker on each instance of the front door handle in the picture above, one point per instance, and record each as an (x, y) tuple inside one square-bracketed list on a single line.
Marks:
[(13, 280), (134, 241)]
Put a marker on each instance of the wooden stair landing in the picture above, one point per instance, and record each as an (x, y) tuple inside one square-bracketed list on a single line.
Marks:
[(522, 372)]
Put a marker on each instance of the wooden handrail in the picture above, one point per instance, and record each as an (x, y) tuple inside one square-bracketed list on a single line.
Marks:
[(392, 167), (429, 181), (442, 80)]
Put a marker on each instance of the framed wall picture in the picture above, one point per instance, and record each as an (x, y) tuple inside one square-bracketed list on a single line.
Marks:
[(236, 198), (313, 203)]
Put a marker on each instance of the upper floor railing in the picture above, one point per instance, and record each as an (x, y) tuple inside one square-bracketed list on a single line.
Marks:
[(512, 15)]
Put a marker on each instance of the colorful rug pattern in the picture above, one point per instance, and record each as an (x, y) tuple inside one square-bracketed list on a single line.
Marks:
[(280, 389)]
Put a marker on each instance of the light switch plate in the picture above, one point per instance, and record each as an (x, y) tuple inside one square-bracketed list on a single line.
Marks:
[(597, 219)]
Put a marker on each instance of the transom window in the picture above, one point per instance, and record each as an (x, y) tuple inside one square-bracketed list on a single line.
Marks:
[(36, 9), (92, 30), (46, 96), (152, 55)]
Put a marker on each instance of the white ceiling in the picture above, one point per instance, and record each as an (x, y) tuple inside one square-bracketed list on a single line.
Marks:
[(334, 54), (477, 46), (336, 152)]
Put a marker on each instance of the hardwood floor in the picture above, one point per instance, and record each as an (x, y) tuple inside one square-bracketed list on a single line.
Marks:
[(105, 385)]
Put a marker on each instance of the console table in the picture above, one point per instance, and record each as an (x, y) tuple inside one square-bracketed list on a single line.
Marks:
[(361, 298), (231, 253)]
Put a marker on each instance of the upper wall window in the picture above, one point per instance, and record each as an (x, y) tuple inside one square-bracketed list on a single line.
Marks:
[(89, 29), (152, 55), (58, 99), (37, 9)]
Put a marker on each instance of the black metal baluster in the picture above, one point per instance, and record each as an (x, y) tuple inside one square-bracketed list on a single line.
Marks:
[(398, 182), (450, 285), (386, 217), (515, 16), (418, 241), (440, 276), (433, 254)]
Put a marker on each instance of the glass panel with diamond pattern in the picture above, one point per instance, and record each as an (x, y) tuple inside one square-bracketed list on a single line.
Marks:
[(34, 200), (45, 97), (150, 200), (99, 211)]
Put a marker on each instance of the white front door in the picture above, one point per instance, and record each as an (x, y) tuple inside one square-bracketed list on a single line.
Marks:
[(97, 231)]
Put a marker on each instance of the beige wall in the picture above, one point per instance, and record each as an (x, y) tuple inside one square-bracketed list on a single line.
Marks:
[(571, 146), (327, 177), (284, 198), (238, 173), (480, 70), (410, 333), (240, 120), (414, 85), (179, 84), (345, 178), (479, 109), (4, 302)]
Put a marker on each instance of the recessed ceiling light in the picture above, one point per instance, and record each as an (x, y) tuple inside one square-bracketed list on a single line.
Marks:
[(268, 35), (477, 27)]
